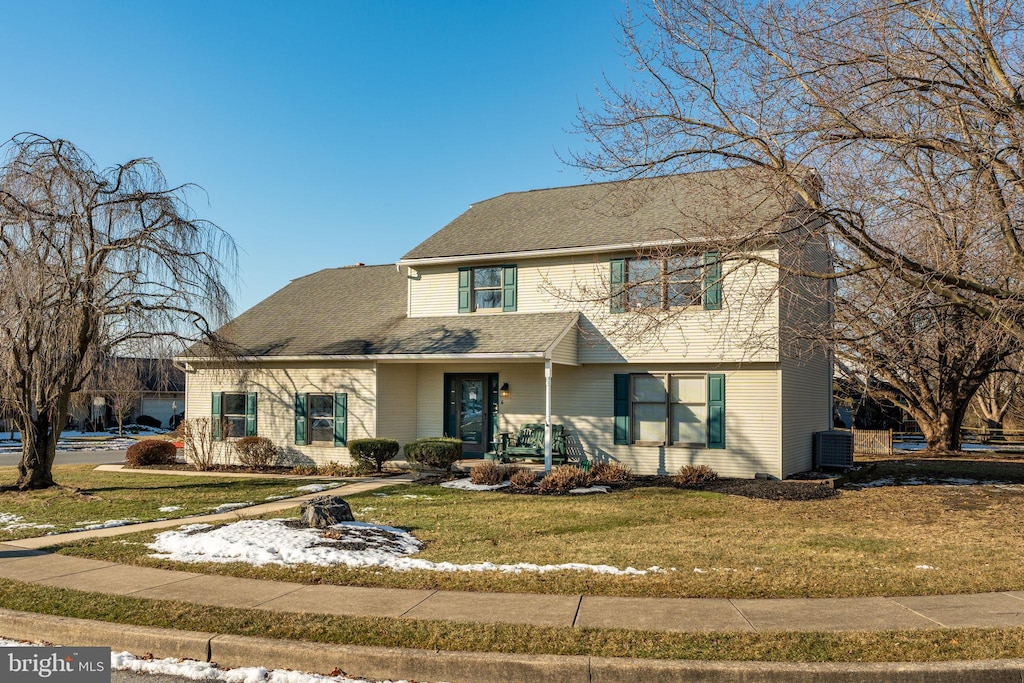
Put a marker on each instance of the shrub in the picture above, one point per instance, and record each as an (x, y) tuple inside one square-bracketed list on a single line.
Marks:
[(610, 473), (373, 452), (487, 473), (521, 478), (197, 437), (147, 421), (440, 452), (305, 470), (257, 452), (564, 478), (151, 452), (333, 469), (694, 475)]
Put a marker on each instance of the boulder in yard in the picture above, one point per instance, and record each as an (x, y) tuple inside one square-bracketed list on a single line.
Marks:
[(325, 511)]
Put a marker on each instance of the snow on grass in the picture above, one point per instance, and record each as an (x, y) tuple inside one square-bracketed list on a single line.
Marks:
[(352, 544), (108, 524), (13, 522), (315, 488), (170, 508), (193, 670), (228, 507), (468, 485), (596, 488)]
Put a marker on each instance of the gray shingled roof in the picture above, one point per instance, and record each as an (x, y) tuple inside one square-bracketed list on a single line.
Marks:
[(619, 213), (360, 310)]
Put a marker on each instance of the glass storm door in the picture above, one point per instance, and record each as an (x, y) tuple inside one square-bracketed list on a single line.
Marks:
[(470, 408)]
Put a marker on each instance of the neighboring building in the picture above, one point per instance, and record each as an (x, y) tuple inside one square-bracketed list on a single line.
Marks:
[(160, 394), (521, 309)]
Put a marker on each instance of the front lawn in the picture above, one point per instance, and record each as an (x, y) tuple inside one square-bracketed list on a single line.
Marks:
[(879, 540), (106, 498)]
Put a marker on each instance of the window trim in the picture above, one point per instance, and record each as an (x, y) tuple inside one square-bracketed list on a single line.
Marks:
[(218, 426), (714, 403), (666, 278), (708, 277), (303, 435), (507, 288)]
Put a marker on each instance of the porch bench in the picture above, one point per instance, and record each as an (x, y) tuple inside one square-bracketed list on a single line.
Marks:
[(528, 444)]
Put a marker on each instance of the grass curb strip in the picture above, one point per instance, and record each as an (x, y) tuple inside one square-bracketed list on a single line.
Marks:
[(395, 663)]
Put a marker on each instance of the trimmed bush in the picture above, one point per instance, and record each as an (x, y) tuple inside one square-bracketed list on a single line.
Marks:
[(257, 452), (147, 421), (373, 452), (521, 478), (151, 452), (563, 479), (439, 451), (694, 475), (487, 473), (610, 473)]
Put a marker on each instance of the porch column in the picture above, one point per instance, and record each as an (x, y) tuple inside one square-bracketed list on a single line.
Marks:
[(547, 415)]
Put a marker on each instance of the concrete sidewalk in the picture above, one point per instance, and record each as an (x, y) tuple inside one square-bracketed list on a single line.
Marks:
[(987, 610)]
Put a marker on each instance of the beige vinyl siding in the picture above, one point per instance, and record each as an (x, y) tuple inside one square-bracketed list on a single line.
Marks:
[(806, 408), (582, 401), (745, 330), (565, 352), (276, 388), (806, 365), (396, 400)]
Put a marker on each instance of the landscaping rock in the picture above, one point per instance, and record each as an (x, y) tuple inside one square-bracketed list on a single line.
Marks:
[(326, 511)]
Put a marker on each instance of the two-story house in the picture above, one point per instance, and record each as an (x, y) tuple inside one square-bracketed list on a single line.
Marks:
[(614, 309)]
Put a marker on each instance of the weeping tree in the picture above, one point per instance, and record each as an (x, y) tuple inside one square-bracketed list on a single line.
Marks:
[(93, 261)]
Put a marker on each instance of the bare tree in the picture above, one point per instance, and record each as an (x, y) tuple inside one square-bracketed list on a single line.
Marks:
[(917, 351), (905, 109), (122, 385), (92, 261), (999, 395)]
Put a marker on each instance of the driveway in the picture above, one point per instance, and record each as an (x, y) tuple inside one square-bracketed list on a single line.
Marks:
[(71, 458)]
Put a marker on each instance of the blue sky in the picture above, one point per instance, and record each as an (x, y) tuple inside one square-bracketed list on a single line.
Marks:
[(323, 133)]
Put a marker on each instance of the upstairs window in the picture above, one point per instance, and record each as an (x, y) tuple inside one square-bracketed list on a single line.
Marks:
[(487, 288), (666, 282)]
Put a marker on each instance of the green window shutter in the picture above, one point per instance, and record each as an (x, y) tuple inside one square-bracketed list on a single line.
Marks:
[(618, 286), (465, 290), (716, 411), (508, 289), (301, 433), (215, 415), (341, 419), (250, 413), (621, 409), (712, 282)]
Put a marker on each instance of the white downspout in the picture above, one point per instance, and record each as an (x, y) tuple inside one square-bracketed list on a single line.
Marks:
[(547, 415)]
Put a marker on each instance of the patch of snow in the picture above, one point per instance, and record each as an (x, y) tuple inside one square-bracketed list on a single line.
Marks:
[(468, 485), (261, 542), (193, 670), (924, 566), (277, 497), (108, 524), (170, 508), (928, 481), (417, 496), (596, 488), (13, 522), (228, 507), (314, 488)]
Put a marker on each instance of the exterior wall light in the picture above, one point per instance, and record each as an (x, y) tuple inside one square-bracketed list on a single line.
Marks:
[(505, 391)]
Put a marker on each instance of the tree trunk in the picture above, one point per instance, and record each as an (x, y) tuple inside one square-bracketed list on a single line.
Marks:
[(38, 449), (942, 433)]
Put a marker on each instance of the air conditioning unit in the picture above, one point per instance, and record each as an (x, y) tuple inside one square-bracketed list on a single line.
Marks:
[(833, 449)]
